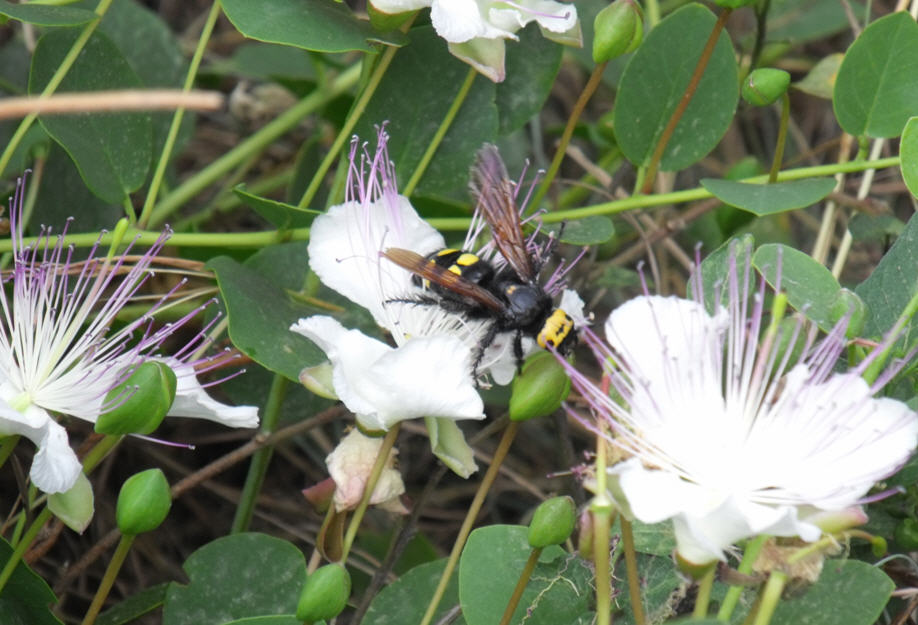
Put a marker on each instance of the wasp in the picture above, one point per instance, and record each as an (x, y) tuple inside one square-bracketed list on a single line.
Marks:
[(510, 296)]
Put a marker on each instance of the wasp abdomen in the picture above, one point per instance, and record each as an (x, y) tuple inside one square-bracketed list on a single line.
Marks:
[(557, 332)]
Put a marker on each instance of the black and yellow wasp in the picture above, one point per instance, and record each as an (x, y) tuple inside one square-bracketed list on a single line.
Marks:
[(511, 296)]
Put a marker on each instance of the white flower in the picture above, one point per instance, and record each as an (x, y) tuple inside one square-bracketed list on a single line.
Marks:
[(350, 465), (476, 29), (732, 437), (430, 372), (57, 355)]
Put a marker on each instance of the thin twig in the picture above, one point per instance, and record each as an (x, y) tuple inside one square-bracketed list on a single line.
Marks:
[(122, 100)]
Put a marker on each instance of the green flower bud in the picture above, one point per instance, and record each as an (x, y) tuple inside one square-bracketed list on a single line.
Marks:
[(846, 302), (143, 502), (765, 85), (585, 527), (619, 29), (878, 546), (325, 594), (552, 523), (152, 391), (318, 379), (540, 388)]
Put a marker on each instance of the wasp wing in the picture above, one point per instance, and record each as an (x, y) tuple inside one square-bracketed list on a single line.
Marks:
[(418, 265), (491, 187)]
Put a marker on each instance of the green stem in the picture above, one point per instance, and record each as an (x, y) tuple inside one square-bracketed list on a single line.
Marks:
[(169, 144), (381, 458), (699, 193), (588, 90), (99, 451), (252, 240), (55, 82), (258, 466), (440, 133), (750, 555), (771, 594), (704, 593), (105, 586), (601, 511), (782, 139), (258, 141), (521, 583), (502, 448), (631, 570), (23, 545), (653, 13), (686, 98), (353, 116)]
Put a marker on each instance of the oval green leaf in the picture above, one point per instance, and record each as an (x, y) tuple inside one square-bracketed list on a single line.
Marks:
[(406, 599), (45, 15), (432, 76), (768, 199), (260, 311), (855, 589), (558, 592), (820, 81), (531, 64), (214, 596), (810, 287), (908, 153), (799, 21), (112, 151), (892, 284), (26, 598), (317, 25), (877, 86), (280, 214), (154, 53), (716, 269), (654, 81)]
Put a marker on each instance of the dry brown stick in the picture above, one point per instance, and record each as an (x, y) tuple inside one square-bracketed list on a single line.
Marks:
[(122, 100)]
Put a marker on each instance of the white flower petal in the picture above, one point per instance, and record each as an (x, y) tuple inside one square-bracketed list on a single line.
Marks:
[(665, 337), (459, 21), (191, 400), (704, 538), (55, 467), (573, 305), (732, 434), (864, 439), (350, 465), (425, 377), (556, 17), (345, 245)]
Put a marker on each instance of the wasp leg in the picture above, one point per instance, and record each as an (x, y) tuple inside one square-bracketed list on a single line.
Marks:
[(518, 350), (418, 300), (483, 345)]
